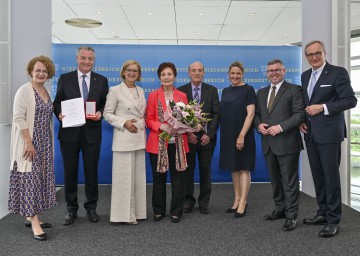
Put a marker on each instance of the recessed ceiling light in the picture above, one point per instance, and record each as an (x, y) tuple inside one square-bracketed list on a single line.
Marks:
[(201, 14), (112, 32), (198, 33), (83, 23), (285, 34), (149, 13), (253, 14), (99, 12)]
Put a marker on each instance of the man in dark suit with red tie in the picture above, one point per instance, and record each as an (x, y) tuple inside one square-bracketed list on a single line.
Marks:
[(203, 142), (327, 93), (87, 138)]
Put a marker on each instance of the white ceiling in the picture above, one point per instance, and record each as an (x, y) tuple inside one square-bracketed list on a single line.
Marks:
[(183, 22)]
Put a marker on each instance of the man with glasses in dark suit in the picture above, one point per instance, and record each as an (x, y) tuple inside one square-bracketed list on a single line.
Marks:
[(327, 93)]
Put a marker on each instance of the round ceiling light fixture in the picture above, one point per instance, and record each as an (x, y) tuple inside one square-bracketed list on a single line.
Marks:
[(83, 23)]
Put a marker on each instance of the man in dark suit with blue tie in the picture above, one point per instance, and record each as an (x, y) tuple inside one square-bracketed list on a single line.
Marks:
[(279, 112), (201, 143), (87, 138), (327, 93)]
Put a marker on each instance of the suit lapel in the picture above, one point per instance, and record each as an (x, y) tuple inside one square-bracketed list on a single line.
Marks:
[(76, 86), (126, 92), (323, 75), (93, 84)]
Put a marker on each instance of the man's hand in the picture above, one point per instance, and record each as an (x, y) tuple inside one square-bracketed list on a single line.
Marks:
[(205, 140), (274, 130), (314, 109), (303, 128), (262, 128)]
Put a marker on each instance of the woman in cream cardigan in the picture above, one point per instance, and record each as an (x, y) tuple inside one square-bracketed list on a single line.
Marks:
[(124, 110), (32, 180)]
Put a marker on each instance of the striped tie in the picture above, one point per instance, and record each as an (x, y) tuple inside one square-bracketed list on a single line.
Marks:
[(196, 95)]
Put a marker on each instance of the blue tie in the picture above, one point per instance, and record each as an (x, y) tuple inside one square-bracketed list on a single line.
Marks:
[(312, 83), (196, 95), (84, 88)]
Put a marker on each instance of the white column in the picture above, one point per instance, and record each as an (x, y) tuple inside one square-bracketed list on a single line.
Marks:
[(328, 21), (30, 36)]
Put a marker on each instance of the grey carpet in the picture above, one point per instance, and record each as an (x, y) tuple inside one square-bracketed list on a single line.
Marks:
[(217, 233)]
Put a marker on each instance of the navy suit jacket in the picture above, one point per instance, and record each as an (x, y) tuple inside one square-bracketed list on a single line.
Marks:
[(333, 88), (210, 100), (68, 88)]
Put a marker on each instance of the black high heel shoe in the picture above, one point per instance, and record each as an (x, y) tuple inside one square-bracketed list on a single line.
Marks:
[(239, 215), (43, 225), (231, 210), (41, 237)]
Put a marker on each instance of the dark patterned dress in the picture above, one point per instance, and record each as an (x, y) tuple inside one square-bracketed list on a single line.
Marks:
[(33, 193)]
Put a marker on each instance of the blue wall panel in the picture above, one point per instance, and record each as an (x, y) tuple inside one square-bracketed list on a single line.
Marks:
[(216, 60)]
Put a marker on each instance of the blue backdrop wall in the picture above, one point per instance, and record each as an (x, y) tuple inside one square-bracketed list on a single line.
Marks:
[(216, 59)]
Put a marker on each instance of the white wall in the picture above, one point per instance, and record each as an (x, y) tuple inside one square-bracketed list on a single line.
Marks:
[(30, 23)]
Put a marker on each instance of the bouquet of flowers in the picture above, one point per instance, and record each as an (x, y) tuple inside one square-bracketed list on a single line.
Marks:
[(184, 118)]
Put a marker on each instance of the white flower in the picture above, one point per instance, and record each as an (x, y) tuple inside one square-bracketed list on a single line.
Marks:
[(180, 104), (184, 113)]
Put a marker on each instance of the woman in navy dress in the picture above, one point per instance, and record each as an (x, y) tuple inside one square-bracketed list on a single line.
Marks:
[(32, 180), (237, 141)]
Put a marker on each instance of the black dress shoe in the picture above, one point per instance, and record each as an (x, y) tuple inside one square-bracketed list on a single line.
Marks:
[(69, 218), (275, 215), (289, 225), (175, 219), (329, 230), (41, 237), (43, 225), (231, 210), (204, 210), (317, 220), (157, 218), (188, 208), (92, 216)]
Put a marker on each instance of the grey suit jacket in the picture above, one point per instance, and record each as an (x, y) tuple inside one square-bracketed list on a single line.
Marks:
[(210, 100), (288, 111)]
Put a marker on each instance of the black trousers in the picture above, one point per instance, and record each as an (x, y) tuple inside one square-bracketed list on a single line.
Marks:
[(70, 152), (284, 176), (324, 162), (159, 186), (204, 160)]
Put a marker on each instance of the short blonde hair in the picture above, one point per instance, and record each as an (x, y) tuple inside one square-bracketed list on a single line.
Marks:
[(128, 63)]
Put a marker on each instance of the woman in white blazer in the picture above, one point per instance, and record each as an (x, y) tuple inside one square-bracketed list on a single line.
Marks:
[(124, 110)]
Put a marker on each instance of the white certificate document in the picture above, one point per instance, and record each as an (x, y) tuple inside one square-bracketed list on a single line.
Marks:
[(74, 112)]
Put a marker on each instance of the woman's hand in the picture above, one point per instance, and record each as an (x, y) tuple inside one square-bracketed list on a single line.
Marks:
[(240, 142), (29, 151), (166, 128), (130, 126)]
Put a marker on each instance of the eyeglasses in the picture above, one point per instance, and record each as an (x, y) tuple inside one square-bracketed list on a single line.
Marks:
[(271, 71), (311, 55), (132, 70), (39, 71)]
